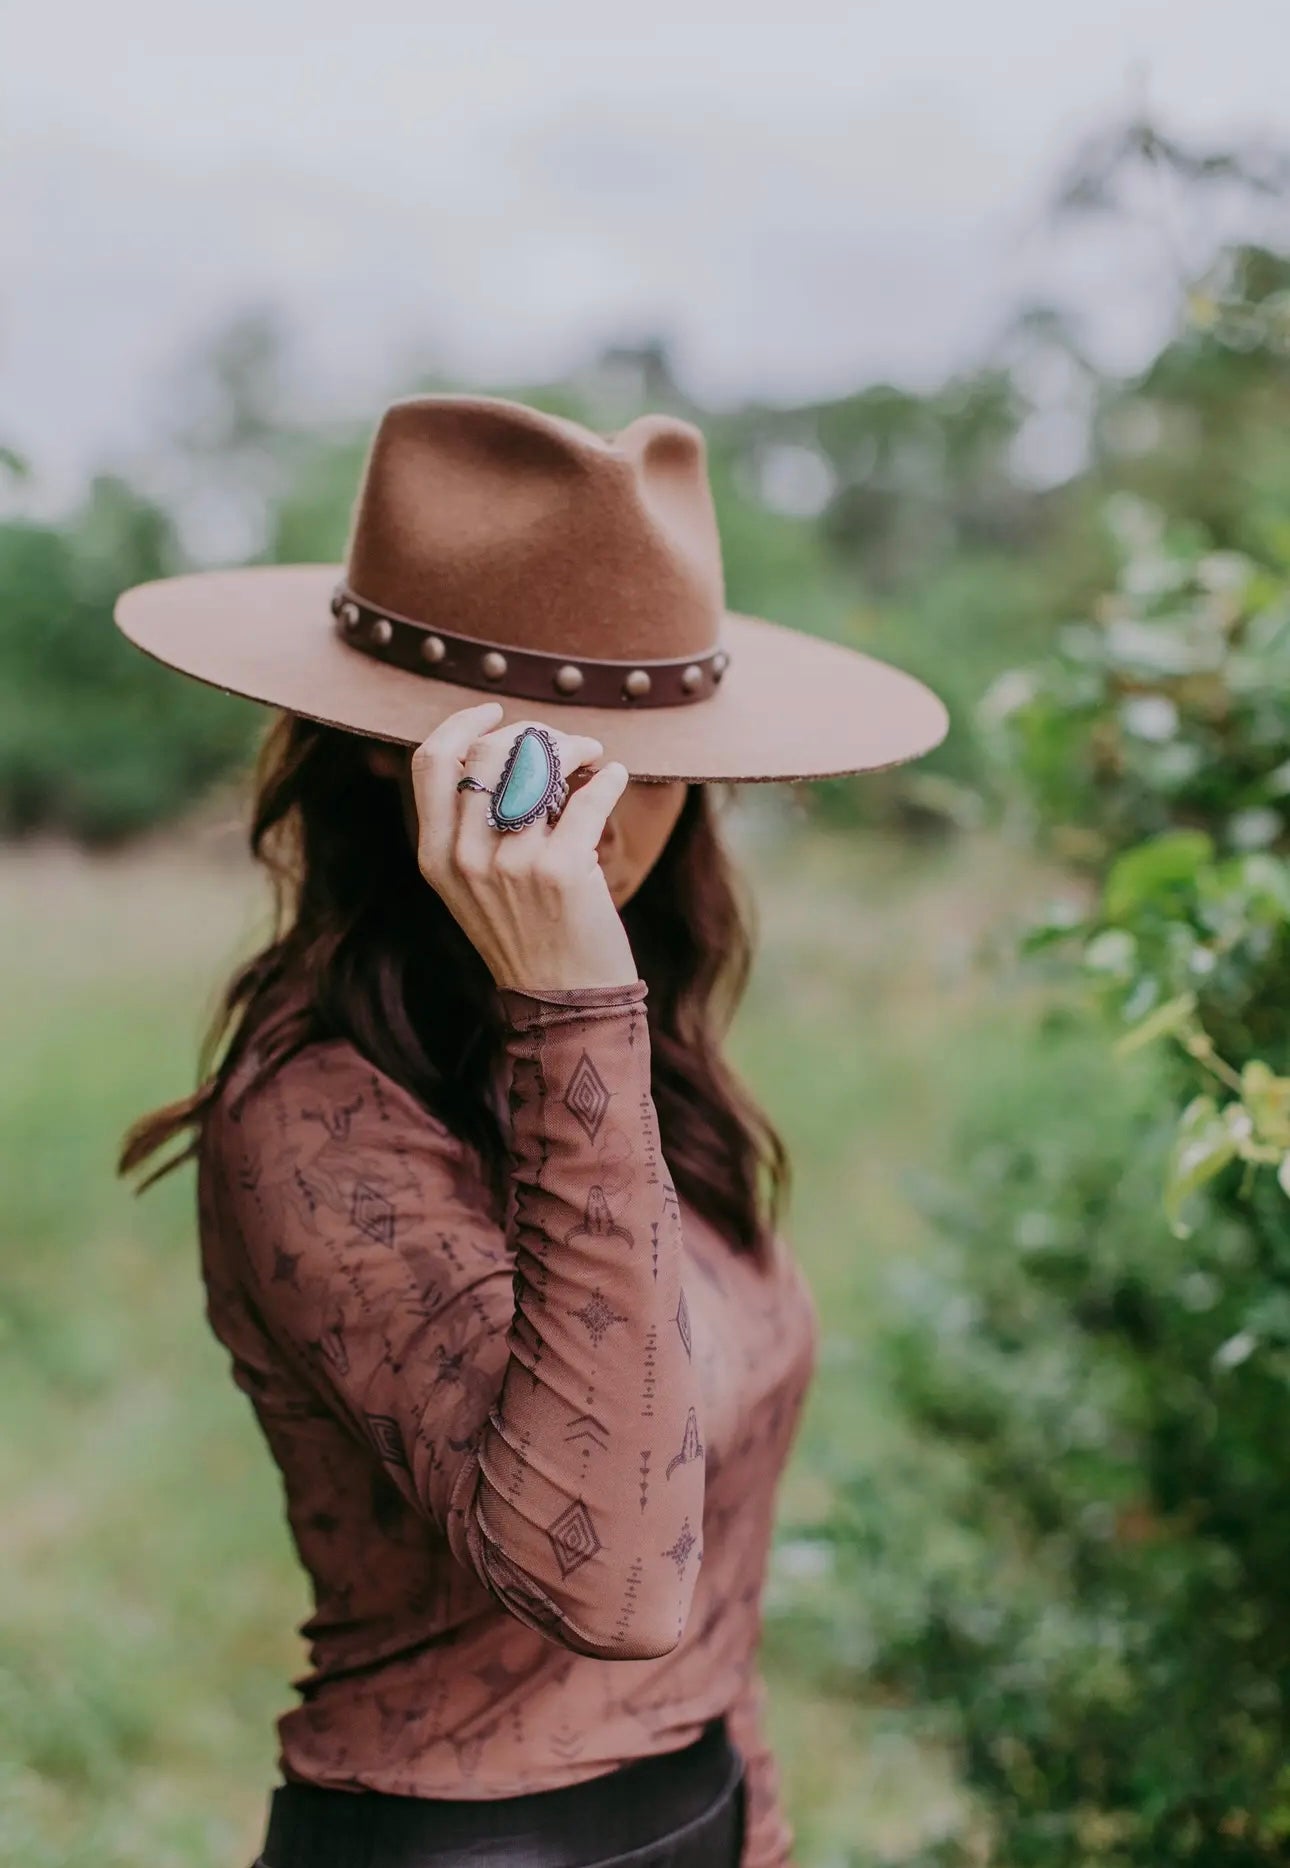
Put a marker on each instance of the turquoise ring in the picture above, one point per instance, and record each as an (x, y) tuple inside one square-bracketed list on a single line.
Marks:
[(531, 783)]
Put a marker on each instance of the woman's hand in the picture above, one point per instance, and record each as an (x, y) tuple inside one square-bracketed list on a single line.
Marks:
[(534, 901)]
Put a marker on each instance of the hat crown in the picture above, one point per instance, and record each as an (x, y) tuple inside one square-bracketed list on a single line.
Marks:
[(491, 519)]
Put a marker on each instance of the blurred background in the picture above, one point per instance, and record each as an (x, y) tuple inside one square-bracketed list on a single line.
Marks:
[(986, 315)]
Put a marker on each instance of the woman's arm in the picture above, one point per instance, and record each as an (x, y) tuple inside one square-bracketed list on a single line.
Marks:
[(528, 1388)]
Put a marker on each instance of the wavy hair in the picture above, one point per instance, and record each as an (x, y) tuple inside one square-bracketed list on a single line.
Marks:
[(363, 949)]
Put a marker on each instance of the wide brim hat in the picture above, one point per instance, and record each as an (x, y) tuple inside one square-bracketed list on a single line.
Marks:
[(576, 577)]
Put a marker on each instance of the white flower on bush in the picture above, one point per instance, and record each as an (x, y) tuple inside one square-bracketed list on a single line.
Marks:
[(1149, 716), (1254, 829), (1199, 1291), (1135, 523), (1223, 571), (1153, 575), (1007, 694), (1112, 951), (1235, 1350), (1035, 1231), (1161, 649), (1177, 762)]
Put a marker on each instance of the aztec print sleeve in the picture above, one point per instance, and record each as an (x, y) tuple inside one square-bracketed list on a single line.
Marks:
[(528, 1388)]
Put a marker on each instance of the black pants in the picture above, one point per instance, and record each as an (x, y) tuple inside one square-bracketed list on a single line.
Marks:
[(680, 1809)]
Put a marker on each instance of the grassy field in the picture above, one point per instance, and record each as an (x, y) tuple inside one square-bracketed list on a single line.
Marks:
[(147, 1620)]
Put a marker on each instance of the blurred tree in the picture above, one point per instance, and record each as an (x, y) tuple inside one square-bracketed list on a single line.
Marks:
[(95, 739), (1203, 430), (1106, 167), (234, 440), (14, 466)]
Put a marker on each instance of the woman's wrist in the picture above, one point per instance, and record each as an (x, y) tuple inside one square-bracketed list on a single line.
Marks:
[(526, 1006)]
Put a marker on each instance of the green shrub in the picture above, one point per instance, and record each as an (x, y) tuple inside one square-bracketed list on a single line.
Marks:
[(1086, 1570), (96, 739)]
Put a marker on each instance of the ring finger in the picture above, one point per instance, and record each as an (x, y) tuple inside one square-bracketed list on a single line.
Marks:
[(485, 759)]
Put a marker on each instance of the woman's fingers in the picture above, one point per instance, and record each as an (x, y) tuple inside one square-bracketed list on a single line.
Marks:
[(535, 904), (582, 821), (487, 755), (436, 767), (476, 840)]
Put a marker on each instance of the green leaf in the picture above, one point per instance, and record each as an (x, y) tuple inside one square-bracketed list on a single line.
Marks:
[(1267, 1097), (1155, 870), (1112, 951), (1165, 1021), (1203, 1146), (1061, 921)]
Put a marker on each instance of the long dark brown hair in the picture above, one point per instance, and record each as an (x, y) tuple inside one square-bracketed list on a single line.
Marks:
[(364, 950)]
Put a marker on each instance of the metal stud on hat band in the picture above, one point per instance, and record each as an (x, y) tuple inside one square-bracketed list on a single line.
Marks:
[(526, 673)]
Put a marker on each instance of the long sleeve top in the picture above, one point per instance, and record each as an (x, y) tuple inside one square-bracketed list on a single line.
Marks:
[(530, 1466)]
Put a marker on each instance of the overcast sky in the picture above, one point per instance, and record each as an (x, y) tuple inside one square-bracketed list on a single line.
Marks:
[(802, 206)]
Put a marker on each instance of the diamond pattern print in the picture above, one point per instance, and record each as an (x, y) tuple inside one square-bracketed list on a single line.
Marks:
[(573, 1538), (372, 1213), (389, 1443), (384, 1260), (683, 1321), (587, 1096)]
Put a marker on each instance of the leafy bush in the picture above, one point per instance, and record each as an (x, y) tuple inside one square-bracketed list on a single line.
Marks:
[(1173, 710), (1088, 1569)]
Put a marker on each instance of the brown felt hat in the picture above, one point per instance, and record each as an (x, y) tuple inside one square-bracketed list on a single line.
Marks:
[(575, 576)]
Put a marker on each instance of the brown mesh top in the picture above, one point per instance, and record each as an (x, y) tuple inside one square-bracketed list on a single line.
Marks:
[(530, 1469)]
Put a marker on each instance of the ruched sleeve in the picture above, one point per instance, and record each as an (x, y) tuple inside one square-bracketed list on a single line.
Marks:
[(527, 1386)]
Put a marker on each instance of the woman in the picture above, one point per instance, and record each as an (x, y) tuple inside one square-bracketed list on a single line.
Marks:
[(488, 1228)]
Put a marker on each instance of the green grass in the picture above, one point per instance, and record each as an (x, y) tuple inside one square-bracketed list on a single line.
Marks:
[(147, 1624)]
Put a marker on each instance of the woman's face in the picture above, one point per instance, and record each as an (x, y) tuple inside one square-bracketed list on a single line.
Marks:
[(632, 841)]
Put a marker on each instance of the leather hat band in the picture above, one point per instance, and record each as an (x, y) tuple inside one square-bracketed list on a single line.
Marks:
[(527, 673)]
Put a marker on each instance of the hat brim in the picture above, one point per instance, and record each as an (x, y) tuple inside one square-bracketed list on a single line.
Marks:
[(790, 705)]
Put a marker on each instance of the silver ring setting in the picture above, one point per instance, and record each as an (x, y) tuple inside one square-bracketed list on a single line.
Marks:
[(531, 784)]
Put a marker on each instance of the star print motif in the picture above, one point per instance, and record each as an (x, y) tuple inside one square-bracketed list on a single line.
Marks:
[(284, 1266), (598, 1314), (682, 1547), (449, 1365)]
